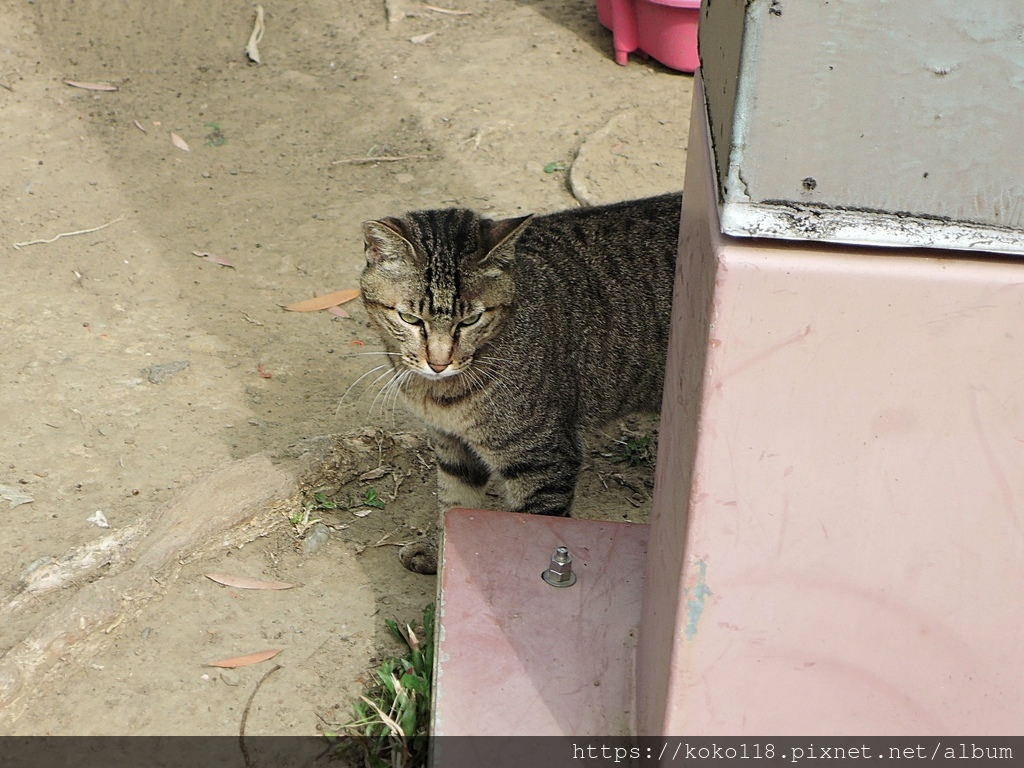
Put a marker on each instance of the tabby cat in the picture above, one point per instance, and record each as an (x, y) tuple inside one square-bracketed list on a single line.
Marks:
[(508, 338)]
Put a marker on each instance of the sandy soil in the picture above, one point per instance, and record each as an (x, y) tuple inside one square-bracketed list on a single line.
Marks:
[(132, 368)]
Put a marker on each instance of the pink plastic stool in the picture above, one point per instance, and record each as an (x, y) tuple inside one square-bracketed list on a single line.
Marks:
[(666, 30)]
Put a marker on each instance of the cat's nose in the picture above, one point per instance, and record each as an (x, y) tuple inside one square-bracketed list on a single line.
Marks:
[(437, 368)]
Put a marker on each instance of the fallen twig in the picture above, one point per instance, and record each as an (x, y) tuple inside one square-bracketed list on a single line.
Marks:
[(398, 477), (91, 86), (378, 159), (245, 715), (394, 11), (450, 11), (55, 238)]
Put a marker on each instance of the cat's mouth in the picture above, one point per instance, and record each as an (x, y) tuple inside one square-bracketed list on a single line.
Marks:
[(429, 372), (437, 372)]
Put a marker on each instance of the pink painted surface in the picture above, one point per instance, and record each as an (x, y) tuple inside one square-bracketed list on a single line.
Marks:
[(663, 29), (517, 656), (837, 545)]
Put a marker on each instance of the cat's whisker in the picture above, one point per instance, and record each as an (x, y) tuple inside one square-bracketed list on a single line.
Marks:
[(389, 372), (484, 379), (495, 365), (478, 377), (364, 354), (390, 391), (350, 386), (491, 360), (475, 381), (394, 375), (496, 376), (397, 389)]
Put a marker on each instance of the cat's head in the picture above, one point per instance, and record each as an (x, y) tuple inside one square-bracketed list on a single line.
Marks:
[(439, 285)]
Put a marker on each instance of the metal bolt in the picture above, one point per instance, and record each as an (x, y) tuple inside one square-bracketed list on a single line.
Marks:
[(559, 573)]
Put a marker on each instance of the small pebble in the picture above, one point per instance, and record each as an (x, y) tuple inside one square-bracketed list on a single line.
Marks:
[(316, 538), (157, 374)]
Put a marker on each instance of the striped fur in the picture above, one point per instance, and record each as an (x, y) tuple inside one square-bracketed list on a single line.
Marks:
[(520, 334)]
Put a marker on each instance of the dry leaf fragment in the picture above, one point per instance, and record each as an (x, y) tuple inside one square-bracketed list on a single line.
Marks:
[(139, 126), (339, 312), (251, 49), (323, 302), (213, 259), (420, 39), (244, 582), (179, 142), (449, 11), (244, 661), (91, 86), (15, 495), (374, 474)]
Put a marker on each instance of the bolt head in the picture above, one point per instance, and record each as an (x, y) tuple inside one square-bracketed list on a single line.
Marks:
[(559, 573)]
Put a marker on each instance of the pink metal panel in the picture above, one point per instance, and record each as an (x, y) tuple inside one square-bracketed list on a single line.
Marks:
[(837, 544), (517, 656)]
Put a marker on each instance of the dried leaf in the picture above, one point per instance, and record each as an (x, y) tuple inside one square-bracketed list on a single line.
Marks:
[(179, 142), (420, 39), (91, 86), (244, 661), (15, 496), (251, 49), (323, 302), (339, 312), (374, 474), (213, 259), (139, 126), (244, 582), (263, 372)]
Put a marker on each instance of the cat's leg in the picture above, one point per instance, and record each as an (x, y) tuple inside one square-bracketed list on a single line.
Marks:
[(461, 482), (540, 477), (461, 476)]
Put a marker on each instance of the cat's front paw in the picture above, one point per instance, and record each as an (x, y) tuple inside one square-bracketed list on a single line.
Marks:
[(420, 556)]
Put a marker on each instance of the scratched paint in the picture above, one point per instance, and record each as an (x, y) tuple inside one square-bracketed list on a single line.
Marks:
[(695, 597), (938, 167)]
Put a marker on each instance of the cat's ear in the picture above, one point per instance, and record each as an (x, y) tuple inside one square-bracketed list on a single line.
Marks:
[(500, 237), (384, 242)]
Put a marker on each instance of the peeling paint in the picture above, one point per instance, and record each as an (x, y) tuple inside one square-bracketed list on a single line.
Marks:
[(695, 597)]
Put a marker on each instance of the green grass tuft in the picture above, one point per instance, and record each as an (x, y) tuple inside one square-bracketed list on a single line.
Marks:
[(392, 719)]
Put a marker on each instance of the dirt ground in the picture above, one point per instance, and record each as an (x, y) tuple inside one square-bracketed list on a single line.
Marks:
[(132, 368)]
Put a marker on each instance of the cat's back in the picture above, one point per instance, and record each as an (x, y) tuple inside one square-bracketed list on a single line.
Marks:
[(644, 230), (601, 261), (596, 285)]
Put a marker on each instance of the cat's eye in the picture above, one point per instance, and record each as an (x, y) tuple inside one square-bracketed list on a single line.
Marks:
[(410, 319), (471, 320)]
